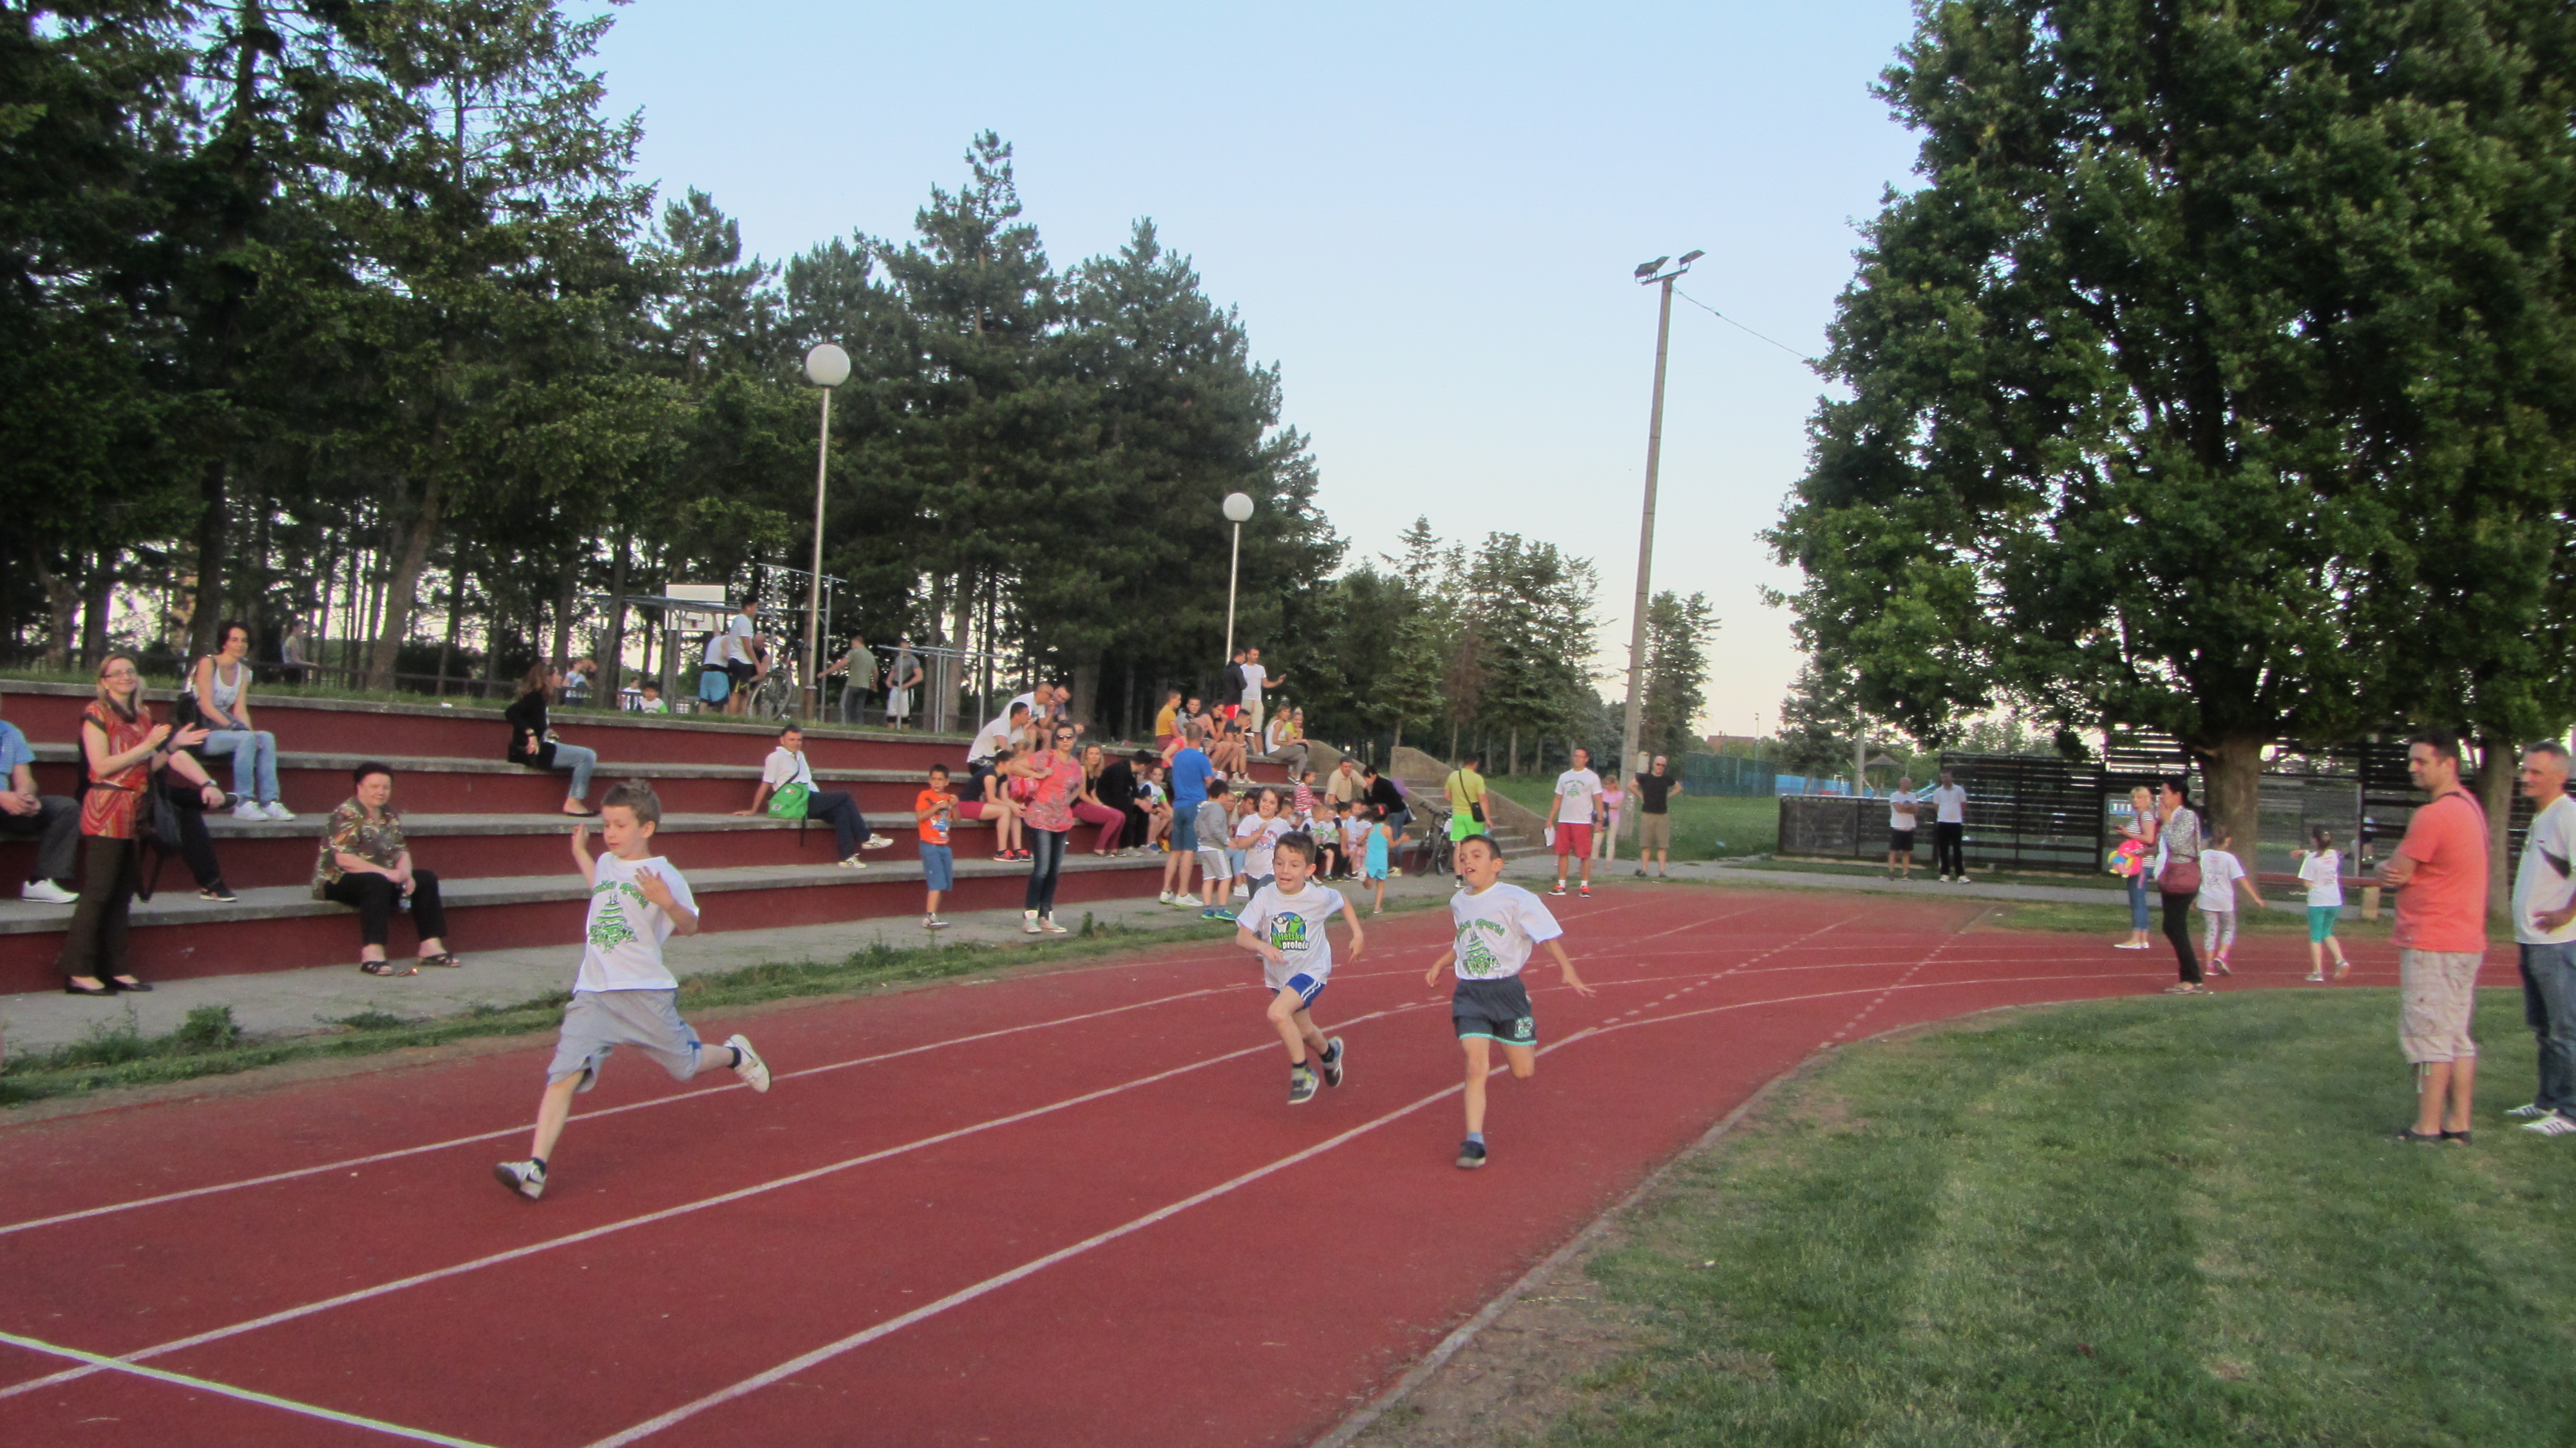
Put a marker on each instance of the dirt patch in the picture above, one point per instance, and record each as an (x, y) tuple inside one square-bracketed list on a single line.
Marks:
[(1523, 1373)]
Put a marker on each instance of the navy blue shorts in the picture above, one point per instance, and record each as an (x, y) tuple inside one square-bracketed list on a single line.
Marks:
[(1306, 987)]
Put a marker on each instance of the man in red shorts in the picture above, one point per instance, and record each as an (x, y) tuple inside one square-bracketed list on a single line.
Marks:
[(1570, 815), (2440, 875)]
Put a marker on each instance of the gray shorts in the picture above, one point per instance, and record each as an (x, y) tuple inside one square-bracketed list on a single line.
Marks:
[(1215, 864), (2437, 992), (599, 1021)]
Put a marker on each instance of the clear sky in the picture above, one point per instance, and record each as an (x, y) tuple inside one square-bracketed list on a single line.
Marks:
[(1428, 215)]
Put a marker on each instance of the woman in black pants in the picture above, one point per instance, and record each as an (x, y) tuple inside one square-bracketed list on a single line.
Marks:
[(2178, 878), (366, 862), (1056, 774)]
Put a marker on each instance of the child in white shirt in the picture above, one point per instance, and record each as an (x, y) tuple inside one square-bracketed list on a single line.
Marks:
[(2321, 870), (1497, 926), (1284, 925), (624, 995), (2221, 876), (1256, 834)]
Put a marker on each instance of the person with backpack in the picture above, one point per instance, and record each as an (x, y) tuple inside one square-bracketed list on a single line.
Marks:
[(787, 792)]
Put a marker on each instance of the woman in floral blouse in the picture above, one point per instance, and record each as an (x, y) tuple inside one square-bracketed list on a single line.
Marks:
[(366, 862)]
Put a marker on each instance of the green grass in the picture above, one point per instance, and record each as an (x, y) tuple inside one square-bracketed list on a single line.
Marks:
[(210, 1044), (2126, 1222), (1704, 827)]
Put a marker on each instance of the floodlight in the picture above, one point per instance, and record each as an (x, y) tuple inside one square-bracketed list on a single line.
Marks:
[(827, 365), (1647, 269), (1691, 256), (1238, 507)]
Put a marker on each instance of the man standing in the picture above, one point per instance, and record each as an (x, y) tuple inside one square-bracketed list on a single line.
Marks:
[(1229, 688), (1255, 679), (741, 665), (1345, 785), (1654, 820), (2440, 874), (1190, 773), (902, 678), (1950, 829), (1570, 815), (2544, 930), (1466, 791)]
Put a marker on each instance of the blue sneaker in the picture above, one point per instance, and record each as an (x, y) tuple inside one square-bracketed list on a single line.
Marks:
[(1216, 915)]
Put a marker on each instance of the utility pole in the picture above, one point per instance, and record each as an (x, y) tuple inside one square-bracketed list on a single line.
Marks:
[(1651, 274)]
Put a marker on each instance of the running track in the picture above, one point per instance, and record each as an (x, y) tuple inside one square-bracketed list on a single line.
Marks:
[(1068, 1208)]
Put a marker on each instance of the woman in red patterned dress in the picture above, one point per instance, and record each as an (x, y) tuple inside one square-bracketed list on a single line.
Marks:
[(124, 748)]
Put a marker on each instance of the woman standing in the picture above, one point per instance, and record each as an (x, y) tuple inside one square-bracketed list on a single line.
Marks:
[(2141, 830), (1054, 777), (2178, 878), (533, 744), (220, 685), (123, 749), (366, 862)]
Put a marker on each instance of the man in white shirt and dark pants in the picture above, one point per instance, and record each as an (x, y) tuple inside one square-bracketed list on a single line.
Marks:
[(1256, 679), (2544, 930), (1950, 829)]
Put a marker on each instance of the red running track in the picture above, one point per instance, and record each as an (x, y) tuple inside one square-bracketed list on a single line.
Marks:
[(1070, 1208)]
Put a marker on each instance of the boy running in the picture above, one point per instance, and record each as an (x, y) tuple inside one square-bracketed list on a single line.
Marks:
[(1284, 925), (932, 809), (1569, 818), (624, 995), (1497, 926)]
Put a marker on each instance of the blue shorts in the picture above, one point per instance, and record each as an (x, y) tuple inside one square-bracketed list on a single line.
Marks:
[(938, 866), (1306, 987), (1185, 831), (715, 685)]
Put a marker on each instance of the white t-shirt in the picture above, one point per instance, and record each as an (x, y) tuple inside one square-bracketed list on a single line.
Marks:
[(737, 639), (1355, 833), (1953, 803), (991, 739), (2323, 873), (1497, 929), (1295, 925), (715, 655), (653, 706), (1901, 811), (622, 940), (2219, 872), (1257, 838), (1254, 676), (2542, 882), (784, 767), (1576, 787)]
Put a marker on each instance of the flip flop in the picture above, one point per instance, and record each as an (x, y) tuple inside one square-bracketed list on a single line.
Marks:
[(444, 960), (385, 968)]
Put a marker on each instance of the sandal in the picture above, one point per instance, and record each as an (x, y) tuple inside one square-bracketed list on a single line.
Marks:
[(385, 968), (2411, 1137), (445, 960)]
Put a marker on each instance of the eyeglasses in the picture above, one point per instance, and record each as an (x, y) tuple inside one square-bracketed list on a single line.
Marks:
[(124, 673)]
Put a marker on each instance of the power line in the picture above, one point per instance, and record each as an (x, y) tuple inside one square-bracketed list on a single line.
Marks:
[(1739, 326)]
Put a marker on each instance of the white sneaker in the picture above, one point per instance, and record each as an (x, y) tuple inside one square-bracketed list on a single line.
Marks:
[(878, 842), (46, 892), (249, 811), (750, 1068), (524, 1177), (1047, 924), (1029, 923), (2529, 1110), (933, 922), (1187, 902), (1243, 892), (2553, 1124), (278, 811), (1165, 898), (852, 863)]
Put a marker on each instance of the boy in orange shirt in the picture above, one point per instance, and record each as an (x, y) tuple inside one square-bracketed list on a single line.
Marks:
[(932, 809)]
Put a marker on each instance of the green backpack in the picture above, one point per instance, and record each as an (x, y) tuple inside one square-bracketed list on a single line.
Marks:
[(789, 802)]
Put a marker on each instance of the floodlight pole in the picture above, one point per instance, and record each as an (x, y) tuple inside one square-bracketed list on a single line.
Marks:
[(1646, 532), (814, 584), (1237, 508)]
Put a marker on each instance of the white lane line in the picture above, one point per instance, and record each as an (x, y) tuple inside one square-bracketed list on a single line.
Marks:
[(290, 1314), (1834, 994), (680, 1096), (206, 1385), (995, 1283)]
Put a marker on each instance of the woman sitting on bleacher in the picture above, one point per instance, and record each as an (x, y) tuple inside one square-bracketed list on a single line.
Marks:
[(366, 862), (533, 744)]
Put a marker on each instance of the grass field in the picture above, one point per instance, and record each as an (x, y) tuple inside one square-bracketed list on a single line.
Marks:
[(1704, 828), (2112, 1223)]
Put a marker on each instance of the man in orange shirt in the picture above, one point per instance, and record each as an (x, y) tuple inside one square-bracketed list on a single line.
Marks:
[(2440, 874)]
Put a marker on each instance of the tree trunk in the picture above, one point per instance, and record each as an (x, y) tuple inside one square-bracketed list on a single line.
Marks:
[(412, 538), (102, 598), (62, 607), (2235, 788), (2497, 765), (1086, 686), (455, 618), (562, 655), (614, 664), (213, 519), (1516, 749)]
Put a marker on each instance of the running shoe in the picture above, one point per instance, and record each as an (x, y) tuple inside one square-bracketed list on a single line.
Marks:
[(2529, 1110), (1029, 923), (933, 922), (1187, 902), (2554, 1124), (1165, 898), (1559, 890), (46, 892), (1216, 914), (527, 1178), (1585, 891), (750, 1068), (1301, 1085), (1641, 873), (1333, 1059), (878, 842), (852, 863), (1047, 924), (218, 891), (246, 810), (278, 812), (2315, 977), (1471, 1153)]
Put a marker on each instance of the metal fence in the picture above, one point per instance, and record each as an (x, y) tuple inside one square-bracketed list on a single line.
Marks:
[(1715, 774)]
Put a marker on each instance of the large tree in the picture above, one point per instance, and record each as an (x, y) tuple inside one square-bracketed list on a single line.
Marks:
[(2217, 379)]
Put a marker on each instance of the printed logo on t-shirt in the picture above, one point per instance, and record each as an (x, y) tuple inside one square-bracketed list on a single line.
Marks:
[(1288, 932), (1475, 957), (609, 927)]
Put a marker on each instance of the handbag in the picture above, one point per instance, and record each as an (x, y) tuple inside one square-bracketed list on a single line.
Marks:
[(790, 801), (2181, 877)]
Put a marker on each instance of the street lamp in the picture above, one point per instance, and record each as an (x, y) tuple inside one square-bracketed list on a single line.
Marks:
[(827, 367), (1650, 274), (1238, 509)]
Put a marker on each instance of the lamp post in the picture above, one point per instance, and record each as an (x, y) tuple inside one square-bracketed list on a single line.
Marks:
[(1650, 274), (1238, 508), (827, 367)]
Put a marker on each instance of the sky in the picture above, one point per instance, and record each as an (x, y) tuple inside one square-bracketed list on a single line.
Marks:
[(1428, 216)]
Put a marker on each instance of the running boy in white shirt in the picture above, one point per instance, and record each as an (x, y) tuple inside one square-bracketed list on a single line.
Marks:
[(623, 995), (2221, 876), (1284, 925), (1569, 818), (1497, 927)]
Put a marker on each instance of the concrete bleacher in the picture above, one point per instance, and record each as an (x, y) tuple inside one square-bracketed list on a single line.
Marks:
[(494, 833)]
